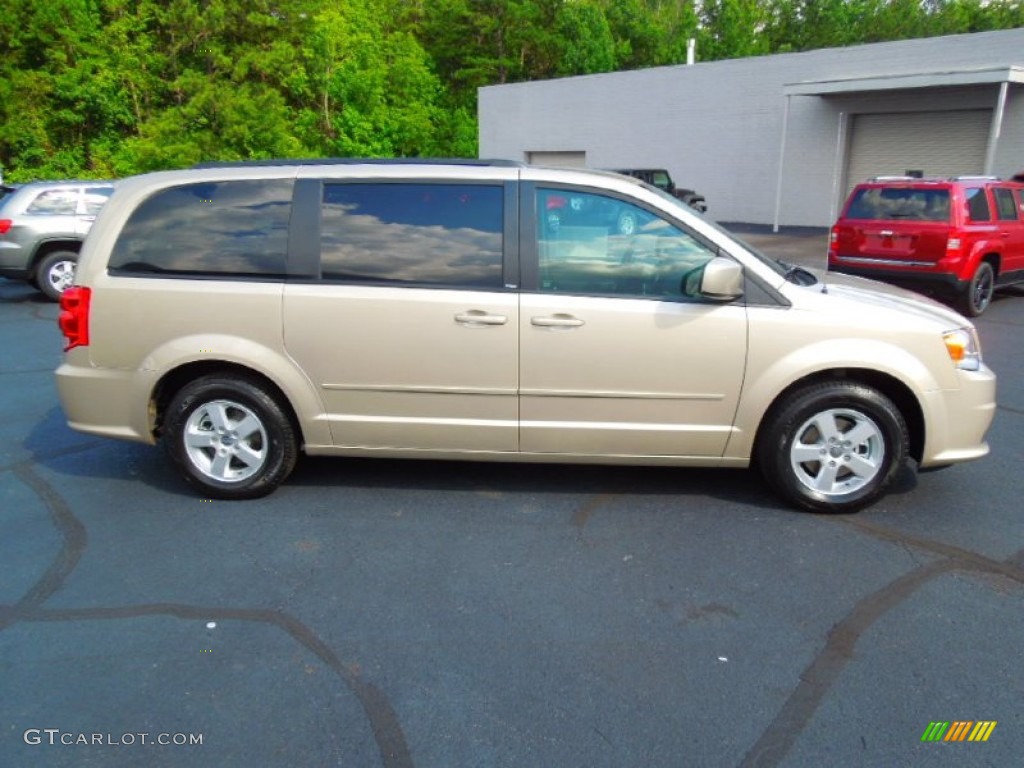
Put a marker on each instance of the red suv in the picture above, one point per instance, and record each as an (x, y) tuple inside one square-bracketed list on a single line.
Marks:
[(959, 237)]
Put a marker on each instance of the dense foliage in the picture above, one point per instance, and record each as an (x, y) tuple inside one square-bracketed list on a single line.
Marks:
[(106, 88)]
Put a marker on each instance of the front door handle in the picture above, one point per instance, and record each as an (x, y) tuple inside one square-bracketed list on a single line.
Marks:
[(478, 318), (557, 321)]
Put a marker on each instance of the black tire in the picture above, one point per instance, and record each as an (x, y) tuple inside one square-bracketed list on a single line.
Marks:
[(978, 295), (203, 439), (823, 472), (55, 273)]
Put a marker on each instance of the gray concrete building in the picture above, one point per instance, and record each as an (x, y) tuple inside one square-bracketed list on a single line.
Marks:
[(780, 139)]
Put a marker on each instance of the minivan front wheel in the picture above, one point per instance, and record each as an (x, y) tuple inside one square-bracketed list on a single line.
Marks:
[(833, 447), (979, 291), (56, 273), (230, 437)]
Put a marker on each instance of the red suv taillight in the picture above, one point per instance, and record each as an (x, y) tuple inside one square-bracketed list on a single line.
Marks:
[(5, 226), (74, 316)]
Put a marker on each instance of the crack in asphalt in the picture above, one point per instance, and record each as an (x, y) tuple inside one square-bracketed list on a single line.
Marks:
[(383, 720), (768, 751), (824, 669)]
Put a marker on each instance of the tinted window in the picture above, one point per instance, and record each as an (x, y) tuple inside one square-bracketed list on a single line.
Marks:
[(1006, 206), (593, 244), (443, 234), (228, 227), (54, 202), (899, 203), (977, 204)]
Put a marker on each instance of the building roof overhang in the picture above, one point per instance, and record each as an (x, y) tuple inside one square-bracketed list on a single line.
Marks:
[(910, 80)]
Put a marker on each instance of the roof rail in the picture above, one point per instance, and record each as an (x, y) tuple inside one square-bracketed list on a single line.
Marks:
[(975, 178), (360, 161), (895, 178)]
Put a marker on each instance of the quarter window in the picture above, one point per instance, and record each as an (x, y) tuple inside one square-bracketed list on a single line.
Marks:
[(977, 204), (212, 228), (94, 199), (435, 234), (1006, 206), (593, 244)]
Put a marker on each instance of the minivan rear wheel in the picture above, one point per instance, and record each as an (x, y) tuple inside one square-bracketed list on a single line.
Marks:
[(230, 437), (978, 295), (833, 447)]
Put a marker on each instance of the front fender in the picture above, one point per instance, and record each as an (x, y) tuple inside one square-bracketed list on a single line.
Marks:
[(767, 380)]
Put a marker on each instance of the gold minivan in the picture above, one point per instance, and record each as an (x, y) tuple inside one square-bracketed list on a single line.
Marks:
[(244, 314)]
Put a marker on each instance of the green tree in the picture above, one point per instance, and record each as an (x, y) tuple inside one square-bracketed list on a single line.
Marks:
[(586, 39), (732, 28)]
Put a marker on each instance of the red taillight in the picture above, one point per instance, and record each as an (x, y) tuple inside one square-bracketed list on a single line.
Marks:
[(5, 226), (74, 316)]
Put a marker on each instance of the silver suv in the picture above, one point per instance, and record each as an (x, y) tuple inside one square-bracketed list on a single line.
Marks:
[(42, 226), (247, 314)]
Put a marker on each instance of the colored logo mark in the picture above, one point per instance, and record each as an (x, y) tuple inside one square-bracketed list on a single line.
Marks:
[(959, 730)]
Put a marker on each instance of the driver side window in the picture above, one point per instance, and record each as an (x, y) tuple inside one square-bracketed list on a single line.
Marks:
[(594, 244)]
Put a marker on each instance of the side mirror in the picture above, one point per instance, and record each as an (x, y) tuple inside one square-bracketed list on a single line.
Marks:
[(722, 280)]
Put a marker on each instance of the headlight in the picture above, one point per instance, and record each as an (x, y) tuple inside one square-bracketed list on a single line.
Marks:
[(964, 348)]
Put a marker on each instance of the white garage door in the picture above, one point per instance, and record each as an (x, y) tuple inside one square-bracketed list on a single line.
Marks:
[(934, 143), (558, 159)]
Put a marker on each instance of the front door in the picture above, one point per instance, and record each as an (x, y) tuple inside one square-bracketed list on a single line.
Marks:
[(619, 355)]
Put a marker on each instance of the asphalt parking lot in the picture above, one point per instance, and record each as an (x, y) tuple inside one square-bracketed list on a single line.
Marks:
[(446, 614)]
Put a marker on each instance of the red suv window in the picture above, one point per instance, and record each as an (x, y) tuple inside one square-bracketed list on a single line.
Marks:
[(1006, 206), (977, 204)]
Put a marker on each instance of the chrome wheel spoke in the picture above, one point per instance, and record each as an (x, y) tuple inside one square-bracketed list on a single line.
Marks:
[(248, 456), (861, 433), (825, 480), (221, 465), (825, 423), (200, 439), (247, 427), (218, 415), (862, 466), (805, 452)]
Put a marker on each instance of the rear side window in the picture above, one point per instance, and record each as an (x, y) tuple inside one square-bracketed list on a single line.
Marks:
[(94, 199), (439, 234), (1006, 206), (977, 204), (899, 203), (54, 202), (213, 228)]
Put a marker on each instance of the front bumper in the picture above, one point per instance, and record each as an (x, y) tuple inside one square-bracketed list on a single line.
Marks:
[(957, 420)]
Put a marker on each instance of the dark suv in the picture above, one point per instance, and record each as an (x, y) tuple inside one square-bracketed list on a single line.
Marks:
[(42, 226), (961, 237), (660, 178)]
